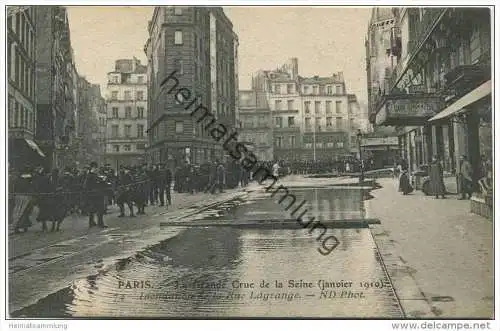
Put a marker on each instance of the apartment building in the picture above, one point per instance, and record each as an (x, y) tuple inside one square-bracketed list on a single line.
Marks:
[(199, 47), (126, 108), (438, 94), (21, 77), (256, 124)]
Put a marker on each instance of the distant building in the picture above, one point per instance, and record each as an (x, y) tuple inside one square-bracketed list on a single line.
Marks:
[(311, 115), (256, 129), (21, 77), (126, 108), (99, 124), (197, 46)]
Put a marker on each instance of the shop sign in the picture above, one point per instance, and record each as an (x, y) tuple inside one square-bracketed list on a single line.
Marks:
[(409, 110)]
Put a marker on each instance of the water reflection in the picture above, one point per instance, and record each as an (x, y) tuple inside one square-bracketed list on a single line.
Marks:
[(211, 279)]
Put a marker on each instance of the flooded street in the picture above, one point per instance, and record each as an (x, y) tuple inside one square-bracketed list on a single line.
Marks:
[(225, 262)]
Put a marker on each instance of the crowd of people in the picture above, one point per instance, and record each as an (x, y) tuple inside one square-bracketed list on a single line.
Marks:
[(91, 190)]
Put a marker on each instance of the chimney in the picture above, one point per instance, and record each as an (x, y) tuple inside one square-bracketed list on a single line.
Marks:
[(340, 76), (294, 65)]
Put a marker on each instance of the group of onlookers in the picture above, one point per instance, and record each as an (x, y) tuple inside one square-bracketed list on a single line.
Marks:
[(468, 182)]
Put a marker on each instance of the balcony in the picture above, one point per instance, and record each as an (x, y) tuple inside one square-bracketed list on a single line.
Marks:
[(421, 33)]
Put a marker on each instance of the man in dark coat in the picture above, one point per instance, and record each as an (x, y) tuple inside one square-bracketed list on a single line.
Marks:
[(95, 193), (465, 177), (124, 192), (141, 191)]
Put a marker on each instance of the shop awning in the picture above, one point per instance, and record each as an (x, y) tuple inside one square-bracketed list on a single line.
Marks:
[(35, 147), (473, 96)]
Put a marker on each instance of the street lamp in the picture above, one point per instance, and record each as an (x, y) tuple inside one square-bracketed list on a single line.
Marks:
[(359, 136)]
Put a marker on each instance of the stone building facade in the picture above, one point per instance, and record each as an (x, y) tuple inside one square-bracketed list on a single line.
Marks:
[(127, 111), (313, 117), (438, 95), (21, 79), (194, 48)]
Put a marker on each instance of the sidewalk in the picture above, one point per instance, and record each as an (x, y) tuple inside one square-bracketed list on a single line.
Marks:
[(438, 254), (75, 226)]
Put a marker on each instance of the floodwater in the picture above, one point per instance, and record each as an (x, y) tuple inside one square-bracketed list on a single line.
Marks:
[(214, 270)]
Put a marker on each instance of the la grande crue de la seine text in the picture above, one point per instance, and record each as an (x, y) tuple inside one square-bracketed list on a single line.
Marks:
[(291, 284)]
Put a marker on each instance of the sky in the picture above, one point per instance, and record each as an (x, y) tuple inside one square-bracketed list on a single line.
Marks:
[(325, 40)]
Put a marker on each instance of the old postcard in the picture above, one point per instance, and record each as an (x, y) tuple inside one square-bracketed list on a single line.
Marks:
[(180, 162)]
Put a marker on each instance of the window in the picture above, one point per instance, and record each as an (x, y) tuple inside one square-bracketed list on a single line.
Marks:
[(140, 146), (338, 105), (178, 37), (475, 46), (315, 89), (308, 122), (128, 130), (21, 110), (328, 105), (116, 148), (128, 112), (338, 89), (306, 89), (277, 89), (177, 11), (127, 148), (179, 127), (140, 79), (9, 56), (279, 141), (114, 131), (179, 66), (140, 112), (140, 130), (307, 106), (291, 121), (128, 95), (139, 95), (338, 123), (114, 95), (329, 90), (351, 120), (114, 111), (321, 90), (292, 141), (318, 123), (289, 88), (317, 105), (290, 104), (329, 121), (277, 104), (278, 121), (340, 144)]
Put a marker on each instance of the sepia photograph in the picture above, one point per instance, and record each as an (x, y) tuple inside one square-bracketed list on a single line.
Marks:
[(249, 162)]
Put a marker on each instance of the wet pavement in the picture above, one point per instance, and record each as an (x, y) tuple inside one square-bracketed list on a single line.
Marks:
[(220, 262)]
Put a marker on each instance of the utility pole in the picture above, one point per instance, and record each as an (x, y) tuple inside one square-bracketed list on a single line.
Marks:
[(314, 140)]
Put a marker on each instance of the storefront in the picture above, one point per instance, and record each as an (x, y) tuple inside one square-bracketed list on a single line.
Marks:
[(410, 112), (466, 129)]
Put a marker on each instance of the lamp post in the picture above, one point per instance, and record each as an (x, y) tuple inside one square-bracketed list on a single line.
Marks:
[(359, 136)]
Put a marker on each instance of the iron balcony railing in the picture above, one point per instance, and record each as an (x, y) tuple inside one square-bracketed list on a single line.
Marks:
[(423, 29)]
